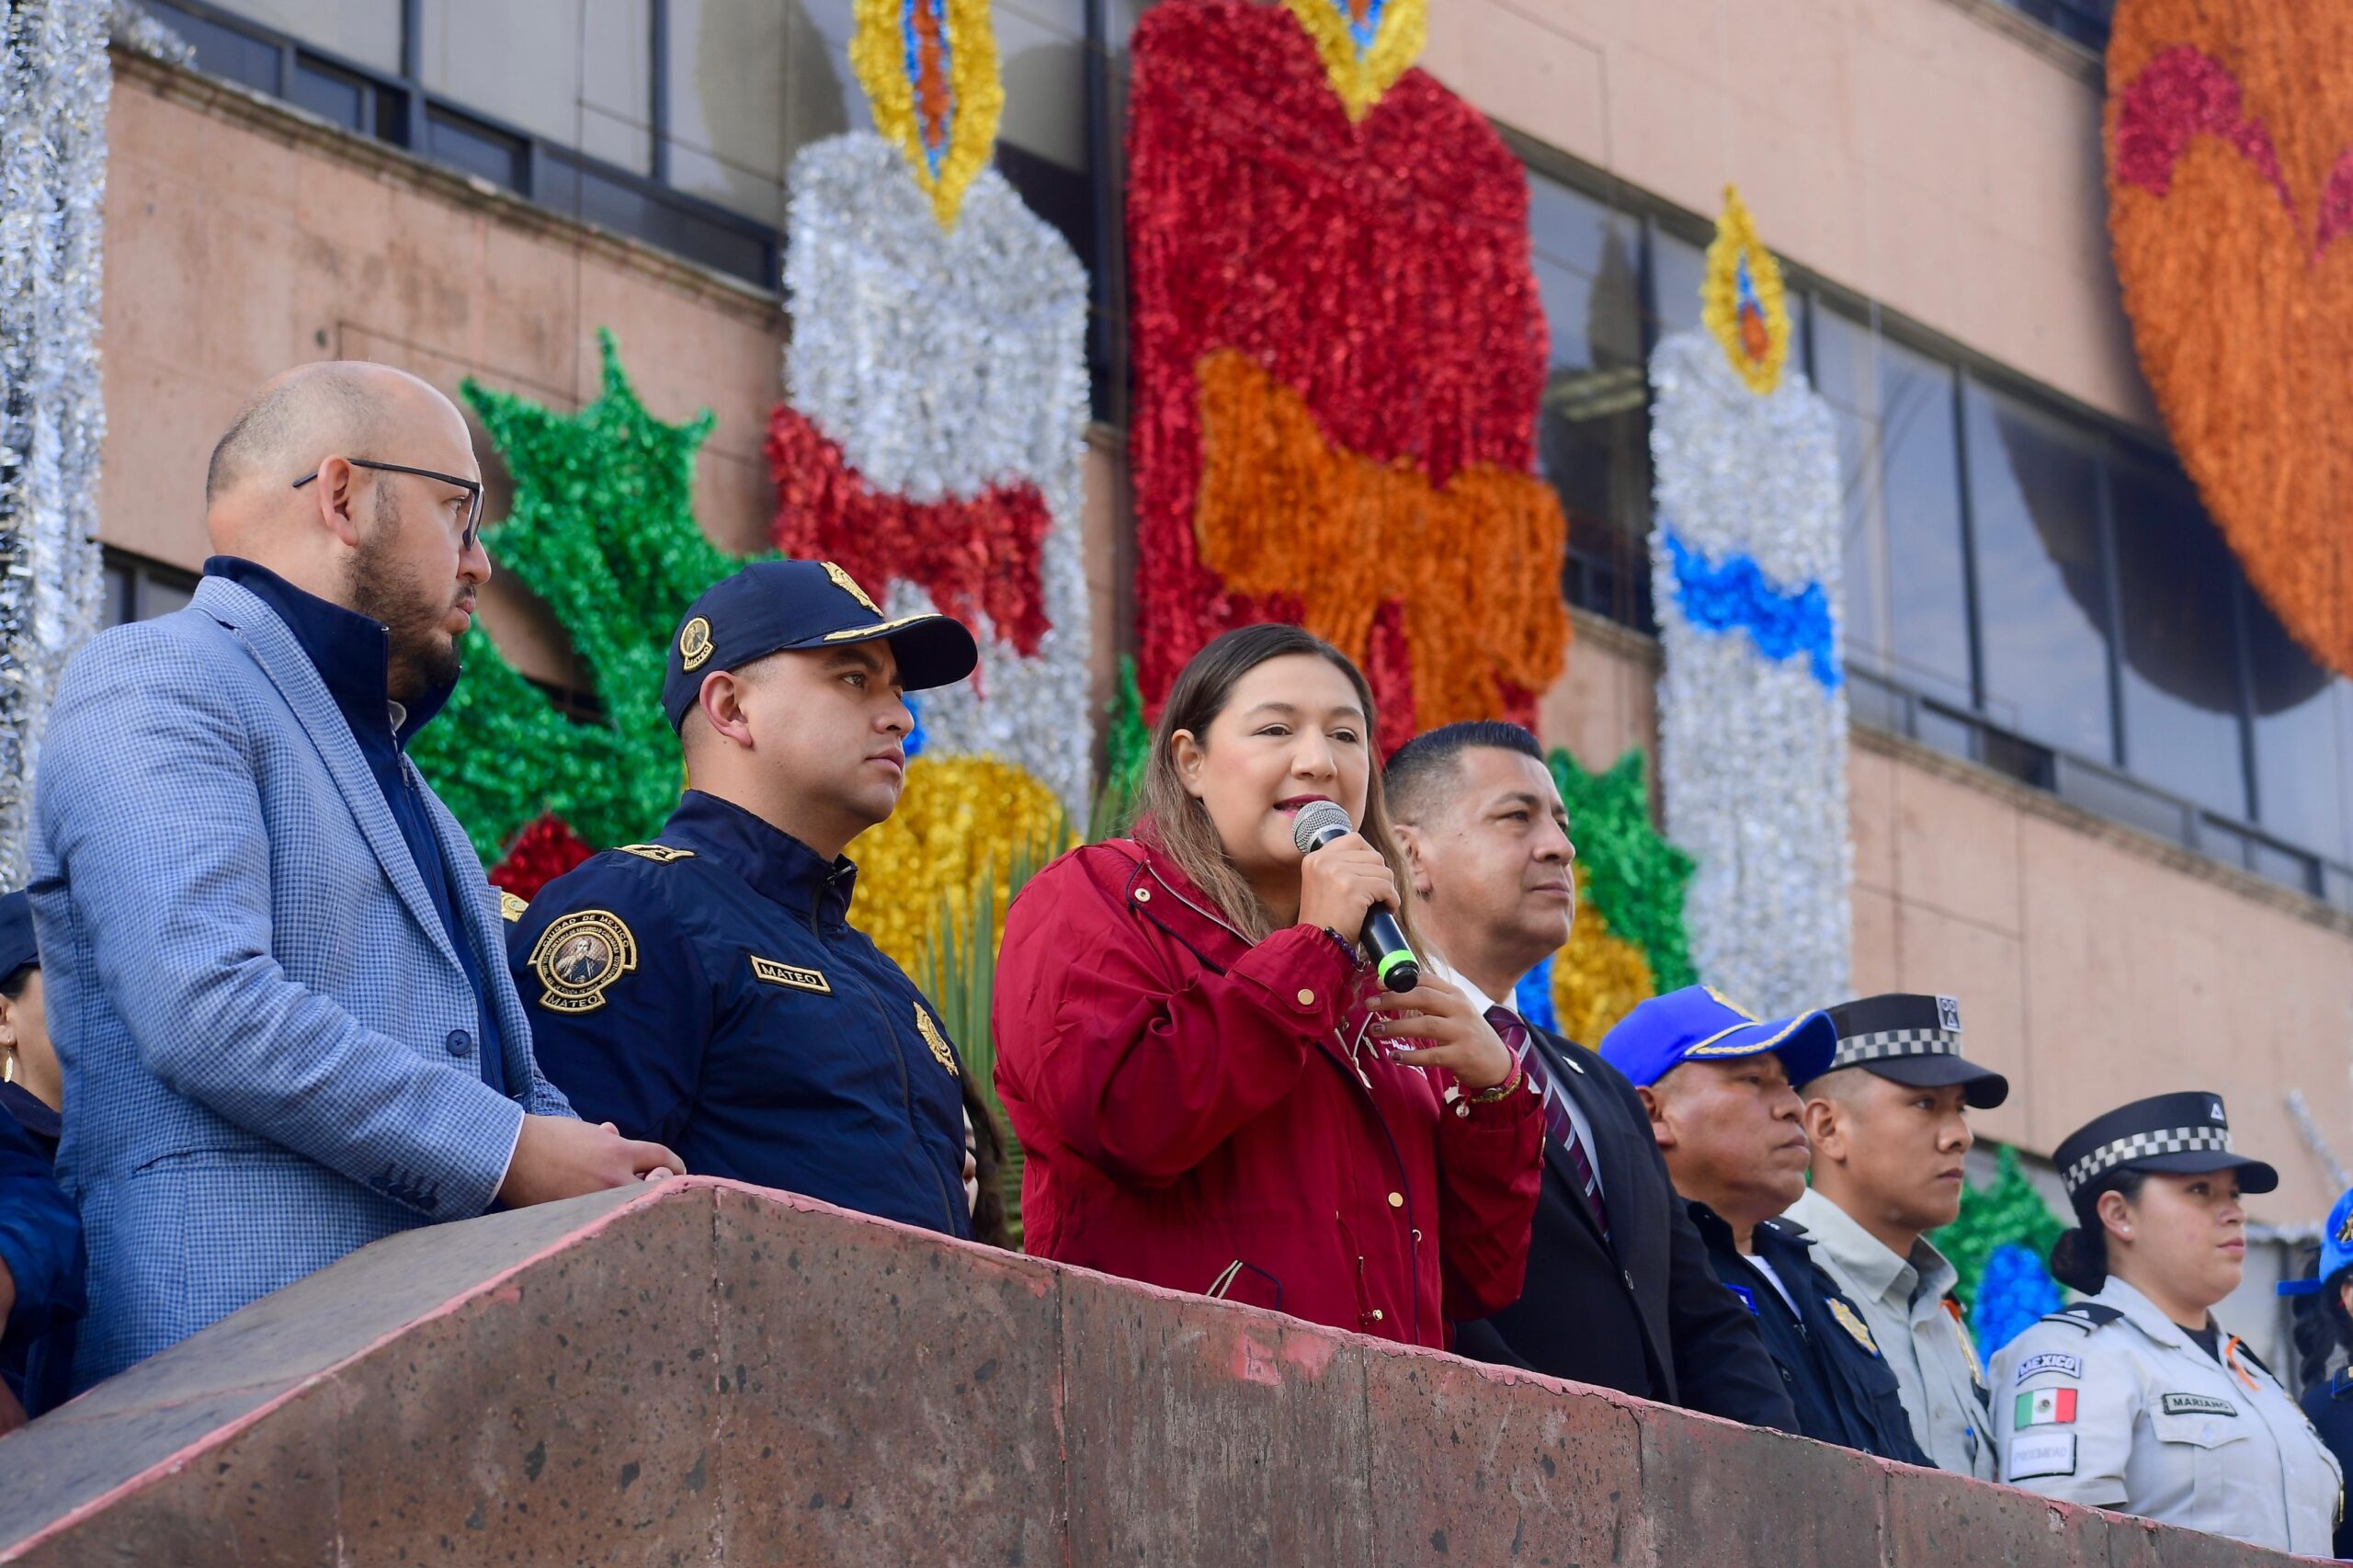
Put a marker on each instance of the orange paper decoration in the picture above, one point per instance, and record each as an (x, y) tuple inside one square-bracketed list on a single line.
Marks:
[(2230, 137), (1476, 562)]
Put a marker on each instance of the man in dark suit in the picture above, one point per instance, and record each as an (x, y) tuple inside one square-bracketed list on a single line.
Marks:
[(1618, 1288)]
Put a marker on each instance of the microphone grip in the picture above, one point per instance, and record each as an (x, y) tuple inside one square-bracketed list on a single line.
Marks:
[(1391, 959)]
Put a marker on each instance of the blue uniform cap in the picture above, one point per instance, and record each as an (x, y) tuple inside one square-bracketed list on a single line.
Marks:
[(2335, 1252), (1696, 1024), (16, 948), (771, 607)]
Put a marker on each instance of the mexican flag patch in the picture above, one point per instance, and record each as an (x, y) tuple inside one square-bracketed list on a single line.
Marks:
[(2046, 1408)]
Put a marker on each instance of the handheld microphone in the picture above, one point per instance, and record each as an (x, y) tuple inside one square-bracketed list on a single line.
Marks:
[(1320, 823)]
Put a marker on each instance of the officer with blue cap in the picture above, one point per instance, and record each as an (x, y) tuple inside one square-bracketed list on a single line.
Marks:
[(2329, 1405), (1716, 1081), (707, 988)]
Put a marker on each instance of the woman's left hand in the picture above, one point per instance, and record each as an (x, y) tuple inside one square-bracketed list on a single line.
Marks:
[(1453, 1032)]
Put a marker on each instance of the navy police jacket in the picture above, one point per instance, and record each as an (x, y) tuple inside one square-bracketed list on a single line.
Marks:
[(2329, 1407), (706, 991), (1843, 1388)]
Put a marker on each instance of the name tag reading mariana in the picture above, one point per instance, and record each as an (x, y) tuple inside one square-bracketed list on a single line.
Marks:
[(777, 973)]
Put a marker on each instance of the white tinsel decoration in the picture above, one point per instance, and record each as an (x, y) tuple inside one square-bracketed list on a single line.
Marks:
[(1753, 747), (54, 81), (944, 362)]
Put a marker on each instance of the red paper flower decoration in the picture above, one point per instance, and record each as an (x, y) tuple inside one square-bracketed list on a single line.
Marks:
[(540, 853)]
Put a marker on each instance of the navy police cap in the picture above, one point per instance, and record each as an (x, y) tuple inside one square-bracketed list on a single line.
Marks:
[(16, 948), (771, 606), (2184, 1134), (1914, 1040)]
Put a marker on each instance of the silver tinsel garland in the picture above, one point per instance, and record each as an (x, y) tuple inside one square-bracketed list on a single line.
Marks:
[(944, 362), (1751, 708), (54, 81)]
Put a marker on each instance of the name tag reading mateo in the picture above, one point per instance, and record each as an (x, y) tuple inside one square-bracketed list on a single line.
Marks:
[(777, 973)]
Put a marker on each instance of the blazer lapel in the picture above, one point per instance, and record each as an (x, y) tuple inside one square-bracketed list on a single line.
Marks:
[(478, 911), (1612, 1161), (299, 681)]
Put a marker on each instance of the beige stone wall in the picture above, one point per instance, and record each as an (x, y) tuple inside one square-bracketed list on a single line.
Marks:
[(1940, 156), (2093, 964), (240, 239)]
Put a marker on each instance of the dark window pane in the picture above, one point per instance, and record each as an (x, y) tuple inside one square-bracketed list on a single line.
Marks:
[(114, 597), (1593, 433), (1677, 268), (331, 94), (475, 148), (2181, 668), (2287, 866), (2085, 21), (2298, 751), (160, 595), (223, 50), (2043, 590), (2120, 800), (1906, 605), (1572, 229), (650, 214)]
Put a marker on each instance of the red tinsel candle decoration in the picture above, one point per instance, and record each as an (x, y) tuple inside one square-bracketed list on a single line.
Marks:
[(1379, 272), (977, 555)]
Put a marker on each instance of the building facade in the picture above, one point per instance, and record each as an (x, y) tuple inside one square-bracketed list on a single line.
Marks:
[(2098, 794)]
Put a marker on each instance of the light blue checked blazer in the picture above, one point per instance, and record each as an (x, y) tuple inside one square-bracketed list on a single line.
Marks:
[(269, 1041)]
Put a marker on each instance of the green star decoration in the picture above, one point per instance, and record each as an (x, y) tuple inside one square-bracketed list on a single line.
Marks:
[(603, 531), (1637, 877)]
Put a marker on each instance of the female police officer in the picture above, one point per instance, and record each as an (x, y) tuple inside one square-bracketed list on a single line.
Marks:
[(2136, 1398)]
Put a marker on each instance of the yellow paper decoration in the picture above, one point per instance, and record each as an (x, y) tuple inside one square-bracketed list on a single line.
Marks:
[(1742, 300), (1599, 977), (931, 68), (959, 820), (1365, 44)]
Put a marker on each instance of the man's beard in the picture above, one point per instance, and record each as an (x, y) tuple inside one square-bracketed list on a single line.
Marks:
[(422, 657)]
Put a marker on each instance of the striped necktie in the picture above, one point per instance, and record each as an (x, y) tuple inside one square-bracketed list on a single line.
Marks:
[(1557, 1121)]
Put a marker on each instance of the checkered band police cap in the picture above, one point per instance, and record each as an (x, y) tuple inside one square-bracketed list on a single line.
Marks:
[(2184, 1133), (1912, 1039)]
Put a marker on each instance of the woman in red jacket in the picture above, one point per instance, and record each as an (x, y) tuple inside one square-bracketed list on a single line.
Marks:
[(1212, 1094)]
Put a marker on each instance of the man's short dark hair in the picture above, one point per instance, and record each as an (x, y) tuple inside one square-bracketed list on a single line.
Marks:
[(1420, 769)]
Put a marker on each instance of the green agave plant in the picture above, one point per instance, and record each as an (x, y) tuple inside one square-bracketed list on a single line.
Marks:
[(958, 971)]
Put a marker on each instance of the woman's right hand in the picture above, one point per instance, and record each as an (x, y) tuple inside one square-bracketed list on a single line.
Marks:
[(1339, 884)]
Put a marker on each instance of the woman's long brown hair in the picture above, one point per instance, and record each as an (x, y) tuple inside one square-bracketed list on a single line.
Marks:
[(1179, 825)]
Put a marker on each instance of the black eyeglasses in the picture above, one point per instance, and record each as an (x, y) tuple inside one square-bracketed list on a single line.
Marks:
[(472, 487)]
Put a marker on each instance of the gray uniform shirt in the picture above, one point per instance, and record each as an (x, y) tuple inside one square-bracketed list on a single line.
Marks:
[(1903, 1300), (2132, 1414)]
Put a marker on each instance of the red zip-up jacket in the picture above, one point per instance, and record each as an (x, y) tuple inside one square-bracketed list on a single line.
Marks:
[(1207, 1115)]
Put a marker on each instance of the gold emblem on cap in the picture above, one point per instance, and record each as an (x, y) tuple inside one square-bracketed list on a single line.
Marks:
[(848, 584), (694, 644), (579, 956), (2345, 1231)]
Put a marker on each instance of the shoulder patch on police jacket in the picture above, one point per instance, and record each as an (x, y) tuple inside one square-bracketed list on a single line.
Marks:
[(660, 854), (2087, 1316), (935, 1041), (2057, 1361), (1851, 1320), (799, 979), (510, 908), (578, 956)]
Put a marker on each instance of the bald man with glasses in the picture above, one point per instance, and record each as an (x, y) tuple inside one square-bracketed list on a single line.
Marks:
[(275, 969)]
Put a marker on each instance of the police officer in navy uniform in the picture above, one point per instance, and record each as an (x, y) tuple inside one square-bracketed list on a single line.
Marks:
[(709, 984), (2329, 1404), (2138, 1399), (1716, 1083)]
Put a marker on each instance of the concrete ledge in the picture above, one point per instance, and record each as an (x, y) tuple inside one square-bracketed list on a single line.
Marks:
[(704, 1373)]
